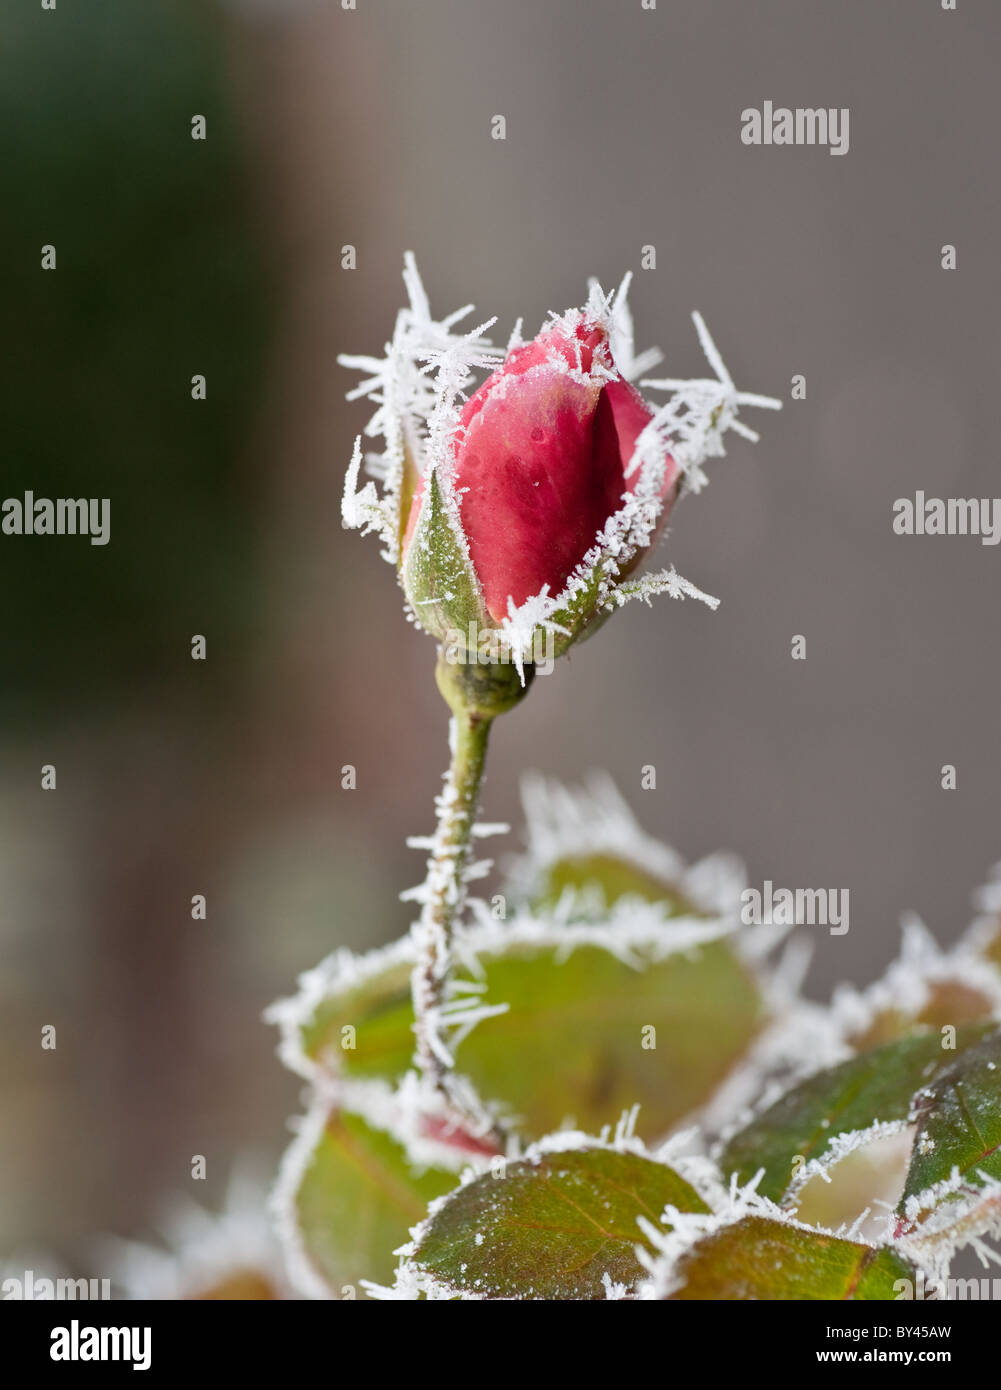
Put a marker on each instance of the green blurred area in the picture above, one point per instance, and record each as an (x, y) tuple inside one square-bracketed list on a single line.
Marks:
[(158, 278)]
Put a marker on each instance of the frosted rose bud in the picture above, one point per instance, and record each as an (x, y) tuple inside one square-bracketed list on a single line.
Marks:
[(541, 459), (541, 464), (516, 512)]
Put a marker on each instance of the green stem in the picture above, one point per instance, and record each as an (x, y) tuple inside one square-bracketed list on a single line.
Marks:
[(445, 890), (476, 695)]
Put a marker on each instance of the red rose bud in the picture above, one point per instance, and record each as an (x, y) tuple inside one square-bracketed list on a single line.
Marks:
[(521, 510), (541, 459)]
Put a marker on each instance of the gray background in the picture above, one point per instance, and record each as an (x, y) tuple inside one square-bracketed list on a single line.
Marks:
[(623, 130)]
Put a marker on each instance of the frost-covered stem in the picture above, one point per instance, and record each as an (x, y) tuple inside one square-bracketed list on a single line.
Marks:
[(475, 694), (445, 889)]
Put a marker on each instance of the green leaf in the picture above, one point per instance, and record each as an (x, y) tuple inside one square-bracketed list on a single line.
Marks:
[(614, 879), (760, 1259), (550, 1228), (437, 576), (959, 1121), (580, 616), (572, 1043), (381, 1043), (879, 1085), (356, 1200)]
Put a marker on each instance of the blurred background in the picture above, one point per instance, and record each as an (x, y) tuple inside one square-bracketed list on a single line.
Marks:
[(370, 127)]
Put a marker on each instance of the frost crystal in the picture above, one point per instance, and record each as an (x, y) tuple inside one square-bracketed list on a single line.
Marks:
[(614, 310), (699, 413), (417, 388)]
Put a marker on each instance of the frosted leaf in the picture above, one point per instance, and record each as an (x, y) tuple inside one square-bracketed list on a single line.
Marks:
[(340, 974), (683, 969), (567, 823), (748, 1216), (547, 1188), (799, 1134), (632, 932), (360, 1159), (910, 982), (959, 1218)]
